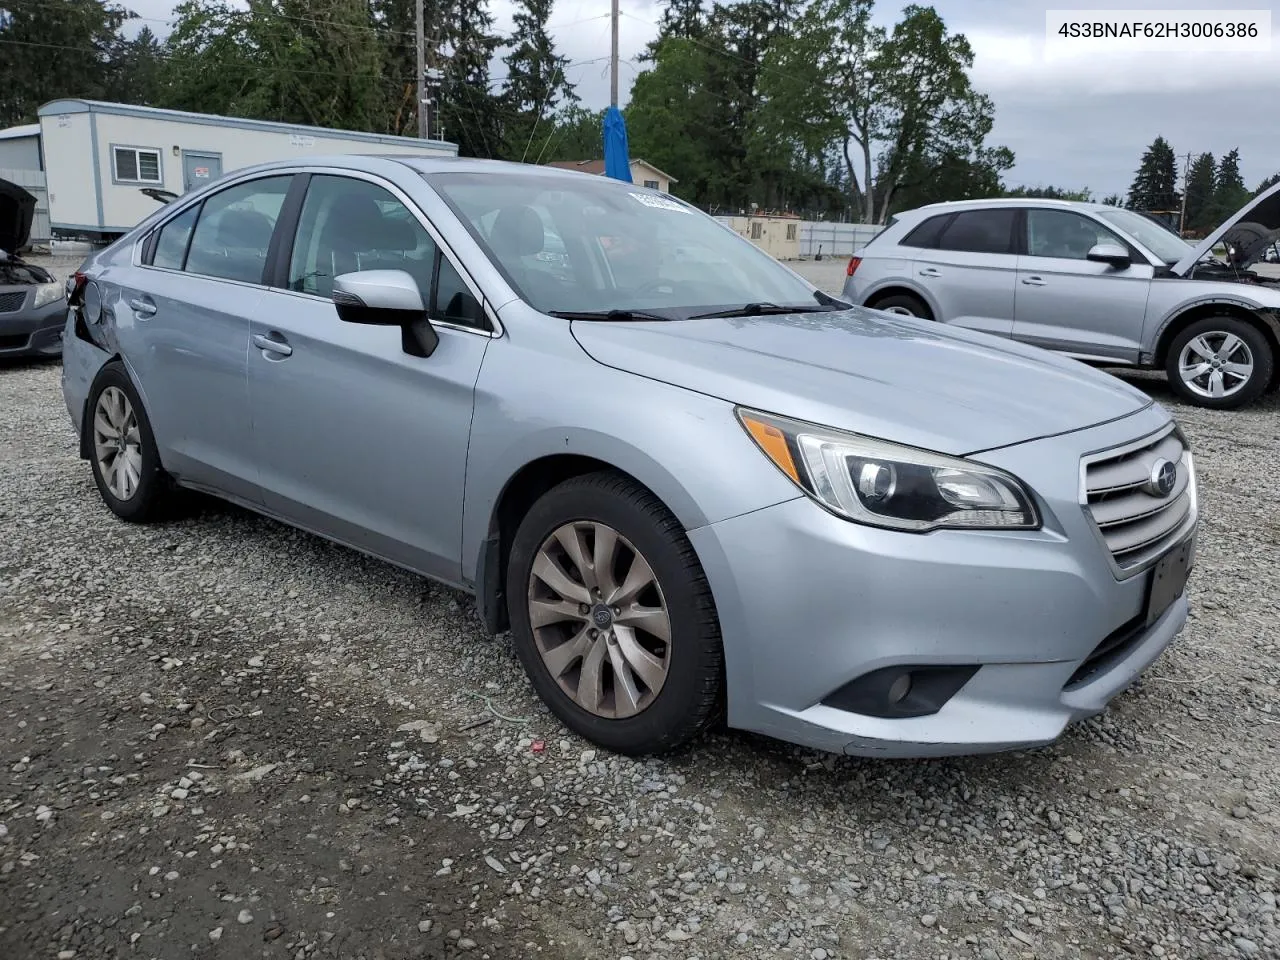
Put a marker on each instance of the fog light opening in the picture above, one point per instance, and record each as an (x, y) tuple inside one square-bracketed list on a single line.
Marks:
[(899, 689)]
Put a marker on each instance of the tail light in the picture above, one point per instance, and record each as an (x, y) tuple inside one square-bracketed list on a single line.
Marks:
[(854, 263)]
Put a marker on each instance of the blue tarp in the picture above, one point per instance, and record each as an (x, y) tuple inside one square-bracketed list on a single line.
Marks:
[(617, 162)]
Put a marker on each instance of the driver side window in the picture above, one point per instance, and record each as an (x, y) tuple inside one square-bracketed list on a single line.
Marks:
[(1065, 235), (349, 225)]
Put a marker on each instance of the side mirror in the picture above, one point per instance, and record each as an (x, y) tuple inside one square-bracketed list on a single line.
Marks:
[(1110, 253), (386, 298)]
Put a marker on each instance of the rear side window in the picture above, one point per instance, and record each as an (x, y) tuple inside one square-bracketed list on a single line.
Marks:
[(980, 231), (927, 233), (234, 230), (171, 244)]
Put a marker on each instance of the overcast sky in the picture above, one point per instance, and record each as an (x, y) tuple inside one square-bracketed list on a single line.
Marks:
[(1076, 119)]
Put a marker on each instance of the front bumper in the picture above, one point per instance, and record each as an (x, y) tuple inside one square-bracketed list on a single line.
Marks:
[(33, 333), (808, 602)]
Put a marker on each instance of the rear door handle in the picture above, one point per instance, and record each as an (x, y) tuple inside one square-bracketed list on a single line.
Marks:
[(1034, 281), (272, 343), (143, 307), (930, 272)]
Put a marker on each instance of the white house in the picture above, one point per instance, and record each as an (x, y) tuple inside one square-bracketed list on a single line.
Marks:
[(643, 173), (100, 157)]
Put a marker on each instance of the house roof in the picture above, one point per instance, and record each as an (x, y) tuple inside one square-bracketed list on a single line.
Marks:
[(597, 167), (16, 133), (75, 105)]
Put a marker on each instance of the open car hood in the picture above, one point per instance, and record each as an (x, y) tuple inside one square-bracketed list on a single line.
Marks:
[(1247, 233), (17, 208)]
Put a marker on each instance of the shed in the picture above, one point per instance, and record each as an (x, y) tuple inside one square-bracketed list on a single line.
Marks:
[(20, 148), (100, 157), (642, 172)]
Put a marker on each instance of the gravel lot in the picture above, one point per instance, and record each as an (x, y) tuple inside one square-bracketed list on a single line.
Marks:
[(223, 738)]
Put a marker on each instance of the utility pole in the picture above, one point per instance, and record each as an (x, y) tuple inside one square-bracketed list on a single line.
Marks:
[(613, 76), (1182, 217), (424, 130)]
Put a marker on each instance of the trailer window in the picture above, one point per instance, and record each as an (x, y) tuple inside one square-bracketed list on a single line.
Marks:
[(137, 165)]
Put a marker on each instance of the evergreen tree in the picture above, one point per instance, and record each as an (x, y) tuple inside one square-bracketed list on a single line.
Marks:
[(56, 48), (1200, 181), (1229, 191), (1155, 184), (1268, 183), (536, 83)]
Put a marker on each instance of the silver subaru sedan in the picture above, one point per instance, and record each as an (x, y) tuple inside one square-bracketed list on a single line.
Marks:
[(691, 485)]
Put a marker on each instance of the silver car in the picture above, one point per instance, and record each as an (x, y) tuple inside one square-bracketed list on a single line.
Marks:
[(1102, 284), (689, 485)]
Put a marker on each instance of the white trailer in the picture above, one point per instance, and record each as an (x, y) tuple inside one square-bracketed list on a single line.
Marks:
[(102, 159)]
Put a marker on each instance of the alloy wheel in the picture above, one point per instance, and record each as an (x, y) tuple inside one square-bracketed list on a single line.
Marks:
[(117, 443), (1215, 364), (599, 619), (900, 311)]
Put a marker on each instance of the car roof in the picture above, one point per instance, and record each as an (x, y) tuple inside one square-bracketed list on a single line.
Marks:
[(995, 202), (372, 162)]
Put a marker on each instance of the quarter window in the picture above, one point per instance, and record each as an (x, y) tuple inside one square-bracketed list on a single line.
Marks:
[(926, 234), (234, 230), (1069, 236), (137, 165), (979, 231), (171, 244)]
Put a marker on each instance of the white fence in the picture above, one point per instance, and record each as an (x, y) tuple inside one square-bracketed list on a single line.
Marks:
[(834, 239), (33, 182)]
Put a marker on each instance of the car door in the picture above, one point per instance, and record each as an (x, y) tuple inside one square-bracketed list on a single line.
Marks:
[(1071, 304), (966, 262), (356, 437), (183, 323)]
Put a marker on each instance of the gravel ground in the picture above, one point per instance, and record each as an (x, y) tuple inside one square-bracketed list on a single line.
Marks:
[(224, 738)]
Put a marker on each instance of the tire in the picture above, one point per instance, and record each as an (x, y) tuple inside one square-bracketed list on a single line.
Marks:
[(629, 715), (1200, 347), (903, 304), (130, 479)]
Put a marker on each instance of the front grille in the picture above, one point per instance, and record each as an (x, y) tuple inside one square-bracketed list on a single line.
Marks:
[(1135, 521), (12, 302)]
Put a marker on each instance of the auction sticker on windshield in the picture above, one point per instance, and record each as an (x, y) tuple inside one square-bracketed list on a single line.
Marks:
[(659, 202)]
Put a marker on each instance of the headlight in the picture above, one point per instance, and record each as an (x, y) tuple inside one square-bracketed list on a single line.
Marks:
[(888, 485), (47, 293)]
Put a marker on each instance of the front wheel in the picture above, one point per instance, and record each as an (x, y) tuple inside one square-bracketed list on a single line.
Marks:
[(1220, 362), (612, 616)]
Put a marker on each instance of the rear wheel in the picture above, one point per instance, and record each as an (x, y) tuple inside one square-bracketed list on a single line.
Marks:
[(612, 616), (903, 304), (1220, 362), (122, 450)]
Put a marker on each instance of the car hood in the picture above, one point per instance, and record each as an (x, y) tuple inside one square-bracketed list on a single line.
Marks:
[(895, 378), (17, 208), (1254, 226)]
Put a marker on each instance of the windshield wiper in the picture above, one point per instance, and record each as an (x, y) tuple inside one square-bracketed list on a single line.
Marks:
[(624, 316), (760, 310)]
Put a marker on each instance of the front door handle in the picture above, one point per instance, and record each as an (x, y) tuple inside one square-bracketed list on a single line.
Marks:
[(1034, 281), (143, 307), (930, 272), (272, 343)]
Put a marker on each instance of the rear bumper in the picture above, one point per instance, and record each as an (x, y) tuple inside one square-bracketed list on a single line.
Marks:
[(33, 333)]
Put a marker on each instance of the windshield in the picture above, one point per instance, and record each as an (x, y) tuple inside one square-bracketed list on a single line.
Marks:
[(593, 245), (1165, 244)]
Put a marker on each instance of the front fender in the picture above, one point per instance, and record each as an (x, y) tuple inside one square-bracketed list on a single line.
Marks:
[(1166, 311), (540, 395)]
